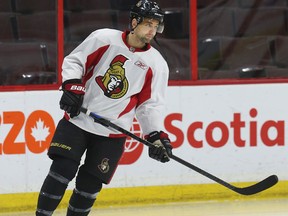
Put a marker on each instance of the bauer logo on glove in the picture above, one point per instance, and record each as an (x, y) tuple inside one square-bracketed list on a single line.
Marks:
[(72, 98), (77, 88)]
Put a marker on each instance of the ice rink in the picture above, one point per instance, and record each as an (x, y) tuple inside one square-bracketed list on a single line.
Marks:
[(262, 207)]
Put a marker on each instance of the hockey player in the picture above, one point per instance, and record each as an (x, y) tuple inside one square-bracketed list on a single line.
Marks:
[(117, 75)]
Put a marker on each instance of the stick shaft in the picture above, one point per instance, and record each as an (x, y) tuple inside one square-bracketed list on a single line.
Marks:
[(253, 189)]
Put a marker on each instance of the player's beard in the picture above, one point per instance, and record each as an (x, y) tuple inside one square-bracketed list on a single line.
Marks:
[(145, 38)]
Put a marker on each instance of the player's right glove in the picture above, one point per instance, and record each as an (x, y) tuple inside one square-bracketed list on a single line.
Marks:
[(161, 148), (72, 97)]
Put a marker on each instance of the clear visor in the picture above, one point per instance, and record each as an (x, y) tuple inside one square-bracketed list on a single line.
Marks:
[(139, 19), (160, 28)]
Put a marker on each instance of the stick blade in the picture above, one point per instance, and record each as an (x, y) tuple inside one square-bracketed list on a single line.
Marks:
[(260, 186)]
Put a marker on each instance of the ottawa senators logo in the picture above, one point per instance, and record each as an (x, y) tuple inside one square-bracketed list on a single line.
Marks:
[(114, 82), (104, 166)]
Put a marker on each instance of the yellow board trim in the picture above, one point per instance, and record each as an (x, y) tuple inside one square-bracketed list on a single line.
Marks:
[(147, 195)]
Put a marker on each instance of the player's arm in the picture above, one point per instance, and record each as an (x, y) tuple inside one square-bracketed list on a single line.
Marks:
[(73, 71), (72, 86), (150, 114)]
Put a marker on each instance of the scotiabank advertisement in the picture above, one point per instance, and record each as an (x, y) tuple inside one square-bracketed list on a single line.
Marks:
[(235, 132)]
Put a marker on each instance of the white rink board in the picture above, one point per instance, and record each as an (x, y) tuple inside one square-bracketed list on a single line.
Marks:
[(244, 113)]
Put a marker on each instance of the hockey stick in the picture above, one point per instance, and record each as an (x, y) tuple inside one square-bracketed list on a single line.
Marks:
[(253, 189)]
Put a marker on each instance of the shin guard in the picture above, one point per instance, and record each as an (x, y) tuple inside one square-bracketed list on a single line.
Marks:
[(54, 186), (84, 195)]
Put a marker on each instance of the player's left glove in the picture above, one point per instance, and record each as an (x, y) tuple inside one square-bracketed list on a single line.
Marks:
[(72, 98), (161, 148)]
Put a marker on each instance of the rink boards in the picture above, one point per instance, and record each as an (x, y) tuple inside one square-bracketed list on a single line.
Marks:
[(237, 133)]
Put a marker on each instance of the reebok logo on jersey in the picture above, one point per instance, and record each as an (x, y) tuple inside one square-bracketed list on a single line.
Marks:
[(141, 65)]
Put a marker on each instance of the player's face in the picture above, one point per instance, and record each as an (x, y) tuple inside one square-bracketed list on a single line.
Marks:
[(113, 83), (147, 29)]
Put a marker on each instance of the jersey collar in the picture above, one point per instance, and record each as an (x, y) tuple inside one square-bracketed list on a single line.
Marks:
[(133, 49)]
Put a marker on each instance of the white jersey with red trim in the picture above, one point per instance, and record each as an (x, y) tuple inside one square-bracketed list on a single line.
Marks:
[(120, 81)]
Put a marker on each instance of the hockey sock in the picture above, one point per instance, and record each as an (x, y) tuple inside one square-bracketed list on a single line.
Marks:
[(84, 195), (54, 186)]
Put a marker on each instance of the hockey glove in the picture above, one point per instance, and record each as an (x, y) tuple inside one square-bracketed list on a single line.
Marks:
[(72, 97), (161, 148)]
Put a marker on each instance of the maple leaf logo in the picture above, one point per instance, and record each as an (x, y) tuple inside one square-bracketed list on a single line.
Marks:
[(40, 132)]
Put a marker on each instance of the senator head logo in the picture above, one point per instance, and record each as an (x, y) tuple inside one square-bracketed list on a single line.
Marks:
[(114, 82)]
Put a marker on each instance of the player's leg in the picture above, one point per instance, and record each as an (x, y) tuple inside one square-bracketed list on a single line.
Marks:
[(102, 157), (84, 194), (61, 172), (65, 150)]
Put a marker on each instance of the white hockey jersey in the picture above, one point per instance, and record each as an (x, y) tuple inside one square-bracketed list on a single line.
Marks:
[(120, 81)]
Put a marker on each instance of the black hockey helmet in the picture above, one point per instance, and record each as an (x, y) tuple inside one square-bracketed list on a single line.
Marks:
[(147, 9)]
